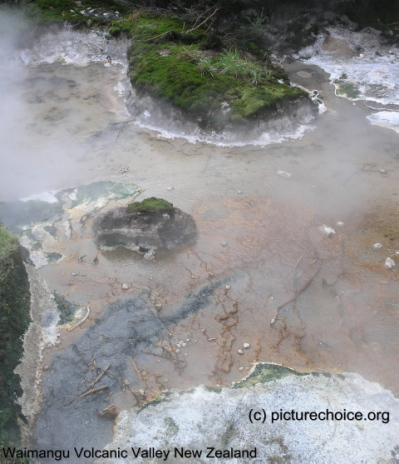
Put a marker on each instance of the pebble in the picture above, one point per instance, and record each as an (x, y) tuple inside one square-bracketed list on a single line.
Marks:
[(246, 346), (284, 174), (377, 246), (125, 286), (126, 382), (158, 306), (239, 191), (223, 243), (227, 287), (46, 367), (241, 368), (178, 345), (177, 351), (75, 273), (240, 351), (325, 230), (389, 263), (183, 344), (340, 223), (169, 188)]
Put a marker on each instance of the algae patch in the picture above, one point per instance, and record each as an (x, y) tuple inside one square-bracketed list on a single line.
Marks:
[(266, 372), (346, 89)]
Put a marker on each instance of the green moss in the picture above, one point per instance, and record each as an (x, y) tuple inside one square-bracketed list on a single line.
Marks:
[(150, 204), (42, 11), (264, 373), (14, 320), (212, 87)]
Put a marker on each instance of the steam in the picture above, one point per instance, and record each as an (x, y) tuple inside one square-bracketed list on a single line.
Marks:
[(43, 122)]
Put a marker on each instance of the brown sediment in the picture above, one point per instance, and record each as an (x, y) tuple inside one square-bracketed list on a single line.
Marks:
[(295, 295)]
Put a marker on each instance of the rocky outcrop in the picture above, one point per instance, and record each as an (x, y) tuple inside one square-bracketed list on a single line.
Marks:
[(14, 320), (144, 227), (275, 415)]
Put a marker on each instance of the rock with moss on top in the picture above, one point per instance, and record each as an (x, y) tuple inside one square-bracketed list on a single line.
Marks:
[(145, 227)]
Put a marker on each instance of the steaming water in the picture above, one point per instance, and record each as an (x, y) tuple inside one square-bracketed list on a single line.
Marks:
[(299, 297)]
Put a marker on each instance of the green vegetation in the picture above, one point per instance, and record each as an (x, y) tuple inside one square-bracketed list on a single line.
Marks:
[(214, 87), (43, 11), (66, 308), (14, 320), (150, 204)]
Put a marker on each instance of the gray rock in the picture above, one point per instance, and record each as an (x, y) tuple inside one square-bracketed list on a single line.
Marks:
[(224, 420), (144, 232)]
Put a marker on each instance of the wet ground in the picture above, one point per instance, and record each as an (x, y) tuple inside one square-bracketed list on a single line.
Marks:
[(262, 272)]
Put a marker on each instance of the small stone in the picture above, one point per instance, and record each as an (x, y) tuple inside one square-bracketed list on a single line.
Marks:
[(177, 345), (75, 274), (177, 351), (187, 340), (246, 346), (183, 344), (240, 351), (125, 286), (325, 230), (227, 287), (126, 382), (377, 246), (239, 192), (340, 224), (383, 171), (46, 367), (240, 368), (389, 263), (158, 306), (169, 188), (223, 243), (284, 174), (109, 412), (211, 339)]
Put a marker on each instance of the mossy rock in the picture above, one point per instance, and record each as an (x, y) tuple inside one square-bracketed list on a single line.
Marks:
[(217, 89), (14, 321), (150, 205)]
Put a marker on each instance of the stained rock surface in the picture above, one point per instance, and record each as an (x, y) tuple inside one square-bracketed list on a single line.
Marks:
[(145, 227)]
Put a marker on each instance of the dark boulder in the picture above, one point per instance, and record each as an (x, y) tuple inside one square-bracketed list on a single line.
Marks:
[(145, 227)]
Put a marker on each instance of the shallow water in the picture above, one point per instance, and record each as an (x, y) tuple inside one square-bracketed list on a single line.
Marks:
[(297, 296)]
